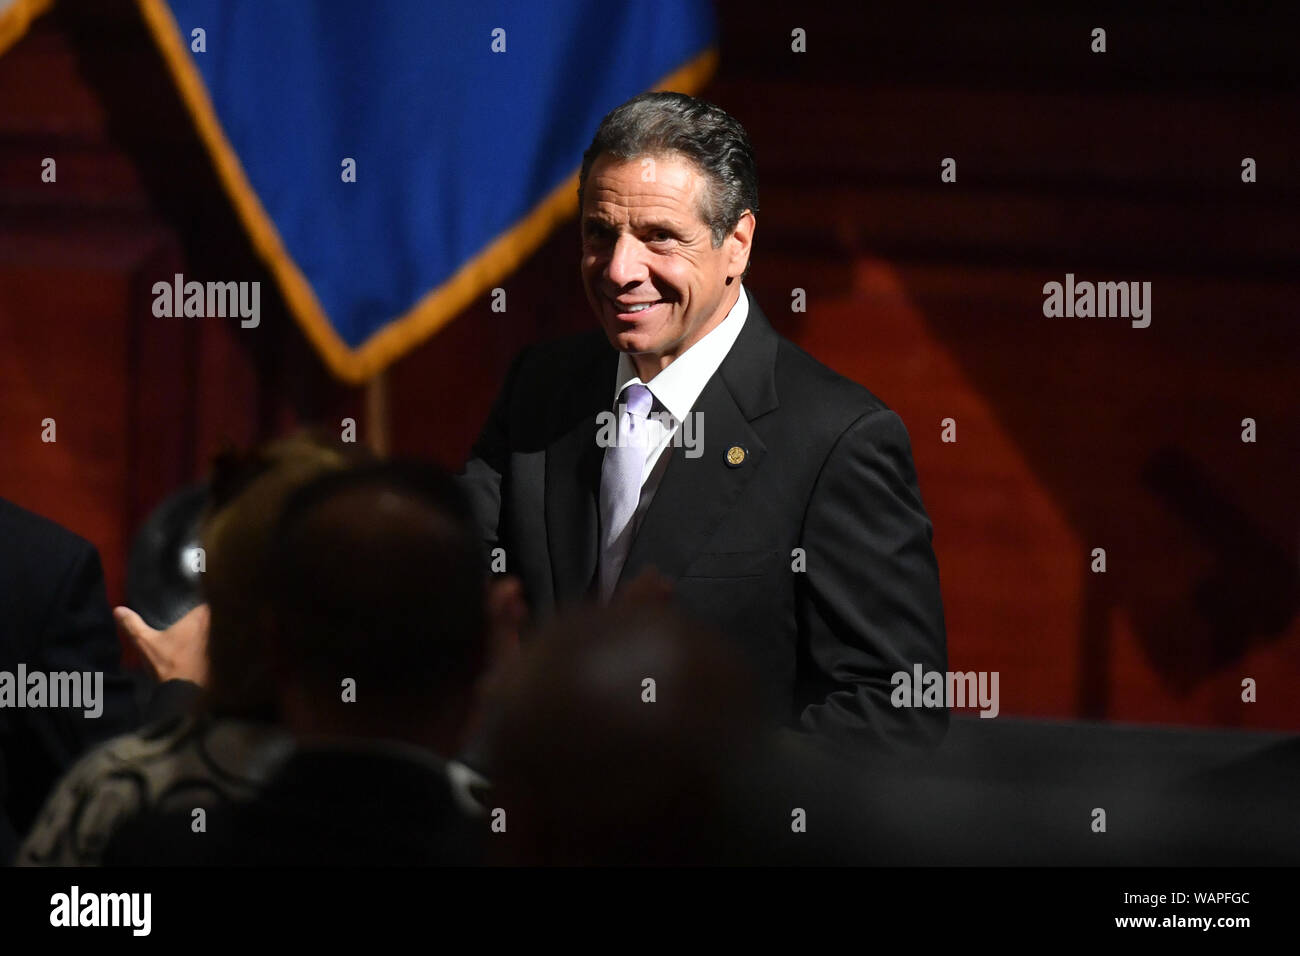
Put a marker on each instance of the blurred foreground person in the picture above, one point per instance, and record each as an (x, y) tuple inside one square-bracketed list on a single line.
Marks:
[(620, 739), (203, 759), (376, 636), (54, 619)]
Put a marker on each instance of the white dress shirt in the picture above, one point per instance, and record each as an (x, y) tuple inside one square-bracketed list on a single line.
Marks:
[(676, 389)]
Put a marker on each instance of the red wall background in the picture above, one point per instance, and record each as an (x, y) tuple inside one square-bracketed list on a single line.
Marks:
[(1072, 433)]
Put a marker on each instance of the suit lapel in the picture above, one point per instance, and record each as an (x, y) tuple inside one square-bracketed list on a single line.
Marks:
[(697, 493)]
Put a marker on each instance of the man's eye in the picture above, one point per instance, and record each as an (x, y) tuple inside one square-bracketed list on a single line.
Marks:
[(660, 236)]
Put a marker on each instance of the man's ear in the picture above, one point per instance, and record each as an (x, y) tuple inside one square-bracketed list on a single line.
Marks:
[(739, 244)]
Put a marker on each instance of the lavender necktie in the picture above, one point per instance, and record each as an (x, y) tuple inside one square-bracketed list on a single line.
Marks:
[(620, 485)]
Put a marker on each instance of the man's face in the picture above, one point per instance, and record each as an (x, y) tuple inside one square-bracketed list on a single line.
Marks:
[(644, 243)]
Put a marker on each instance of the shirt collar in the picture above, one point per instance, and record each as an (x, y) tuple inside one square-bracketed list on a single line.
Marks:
[(679, 385)]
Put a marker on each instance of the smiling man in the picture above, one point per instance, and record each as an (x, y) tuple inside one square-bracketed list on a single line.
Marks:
[(791, 520)]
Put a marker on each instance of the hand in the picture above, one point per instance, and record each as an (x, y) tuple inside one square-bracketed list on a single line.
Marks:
[(180, 652)]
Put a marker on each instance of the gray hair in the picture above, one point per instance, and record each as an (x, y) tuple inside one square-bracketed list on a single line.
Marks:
[(661, 123)]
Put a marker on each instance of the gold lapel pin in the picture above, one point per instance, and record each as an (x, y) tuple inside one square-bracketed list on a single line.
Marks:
[(736, 456)]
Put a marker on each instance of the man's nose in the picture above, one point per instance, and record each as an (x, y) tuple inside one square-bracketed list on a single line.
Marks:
[(627, 264)]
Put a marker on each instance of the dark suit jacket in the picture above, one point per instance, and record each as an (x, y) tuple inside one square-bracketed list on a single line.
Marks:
[(827, 468), (53, 617)]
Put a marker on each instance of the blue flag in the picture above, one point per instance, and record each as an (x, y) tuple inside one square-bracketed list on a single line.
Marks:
[(392, 159)]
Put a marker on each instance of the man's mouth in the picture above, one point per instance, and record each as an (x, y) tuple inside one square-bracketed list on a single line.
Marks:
[(634, 310)]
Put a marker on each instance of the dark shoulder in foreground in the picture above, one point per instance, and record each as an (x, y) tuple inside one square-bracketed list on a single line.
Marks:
[(36, 540)]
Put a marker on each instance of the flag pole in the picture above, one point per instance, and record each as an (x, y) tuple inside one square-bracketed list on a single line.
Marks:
[(378, 423)]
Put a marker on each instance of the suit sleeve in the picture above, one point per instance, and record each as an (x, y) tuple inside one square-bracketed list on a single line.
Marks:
[(81, 636), (872, 605), (72, 631), (480, 479)]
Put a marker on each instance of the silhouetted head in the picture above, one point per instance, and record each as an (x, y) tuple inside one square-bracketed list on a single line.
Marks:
[(247, 494), (377, 624), (617, 740)]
